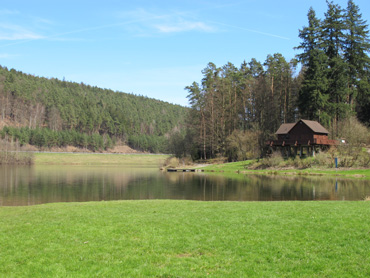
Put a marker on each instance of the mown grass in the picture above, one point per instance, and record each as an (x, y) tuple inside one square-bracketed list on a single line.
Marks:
[(99, 159), (186, 239), (241, 167), (228, 167)]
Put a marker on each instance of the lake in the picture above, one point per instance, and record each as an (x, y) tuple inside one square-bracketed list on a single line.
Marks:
[(22, 186)]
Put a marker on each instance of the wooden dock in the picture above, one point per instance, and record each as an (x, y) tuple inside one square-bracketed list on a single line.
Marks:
[(180, 170)]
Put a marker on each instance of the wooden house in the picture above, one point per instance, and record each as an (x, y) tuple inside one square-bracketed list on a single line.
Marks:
[(302, 134)]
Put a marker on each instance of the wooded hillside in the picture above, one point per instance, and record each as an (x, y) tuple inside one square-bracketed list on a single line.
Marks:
[(59, 109)]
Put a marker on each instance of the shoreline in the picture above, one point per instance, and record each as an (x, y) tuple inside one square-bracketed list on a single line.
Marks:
[(232, 168), (237, 168)]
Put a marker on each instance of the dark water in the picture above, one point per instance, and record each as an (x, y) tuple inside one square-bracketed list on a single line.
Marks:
[(21, 186)]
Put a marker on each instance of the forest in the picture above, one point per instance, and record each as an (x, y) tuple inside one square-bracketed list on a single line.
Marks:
[(235, 110), (54, 113)]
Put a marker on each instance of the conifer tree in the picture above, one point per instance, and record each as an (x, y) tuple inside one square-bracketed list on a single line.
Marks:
[(356, 50), (313, 97), (333, 33)]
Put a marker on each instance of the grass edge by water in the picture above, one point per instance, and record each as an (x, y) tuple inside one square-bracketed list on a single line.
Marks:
[(240, 168)]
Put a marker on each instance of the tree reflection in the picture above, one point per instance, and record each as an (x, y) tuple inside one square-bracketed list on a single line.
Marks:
[(36, 185)]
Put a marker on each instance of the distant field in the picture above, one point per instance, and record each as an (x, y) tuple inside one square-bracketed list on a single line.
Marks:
[(99, 159), (186, 239)]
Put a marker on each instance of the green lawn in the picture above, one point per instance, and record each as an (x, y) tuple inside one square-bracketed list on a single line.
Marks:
[(186, 239), (99, 159), (240, 167)]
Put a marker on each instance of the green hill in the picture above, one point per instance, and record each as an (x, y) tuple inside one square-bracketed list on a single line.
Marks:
[(51, 112)]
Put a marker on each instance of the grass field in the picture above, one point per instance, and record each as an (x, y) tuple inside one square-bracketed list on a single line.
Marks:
[(186, 239), (240, 167), (99, 159)]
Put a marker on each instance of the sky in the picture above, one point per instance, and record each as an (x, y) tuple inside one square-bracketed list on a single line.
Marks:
[(149, 48)]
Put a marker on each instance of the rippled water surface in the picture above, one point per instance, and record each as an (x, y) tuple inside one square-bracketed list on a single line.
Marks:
[(45, 184)]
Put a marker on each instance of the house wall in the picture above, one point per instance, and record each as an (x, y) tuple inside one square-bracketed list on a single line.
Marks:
[(301, 132), (320, 137)]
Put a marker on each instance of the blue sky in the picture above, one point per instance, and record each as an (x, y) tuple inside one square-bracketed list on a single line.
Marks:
[(151, 48)]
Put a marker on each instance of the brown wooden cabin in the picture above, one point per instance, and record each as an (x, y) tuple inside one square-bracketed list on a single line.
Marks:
[(302, 134)]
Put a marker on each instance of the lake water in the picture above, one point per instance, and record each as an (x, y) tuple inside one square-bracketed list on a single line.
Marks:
[(22, 186)]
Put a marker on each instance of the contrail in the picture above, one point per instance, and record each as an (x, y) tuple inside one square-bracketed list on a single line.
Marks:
[(87, 29), (250, 30)]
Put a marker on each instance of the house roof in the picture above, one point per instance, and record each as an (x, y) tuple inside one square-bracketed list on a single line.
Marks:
[(285, 128), (313, 125)]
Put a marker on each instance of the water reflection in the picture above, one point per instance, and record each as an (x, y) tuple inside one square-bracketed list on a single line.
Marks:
[(37, 185)]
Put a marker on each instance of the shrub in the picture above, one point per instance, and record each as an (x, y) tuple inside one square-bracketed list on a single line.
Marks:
[(364, 159), (10, 154), (354, 132), (172, 162), (276, 159), (323, 159), (242, 145)]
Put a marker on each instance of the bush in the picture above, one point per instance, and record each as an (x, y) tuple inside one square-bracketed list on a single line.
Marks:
[(242, 145), (172, 162), (364, 159), (275, 160), (323, 159), (10, 154), (354, 132)]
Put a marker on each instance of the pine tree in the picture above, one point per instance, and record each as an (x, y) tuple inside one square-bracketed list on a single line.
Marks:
[(333, 33), (313, 97), (197, 117), (356, 51)]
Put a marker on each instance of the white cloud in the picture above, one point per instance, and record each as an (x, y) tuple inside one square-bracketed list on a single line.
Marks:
[(184, 26), (8, 12), (11, 32), (6, 56), (142, 22)]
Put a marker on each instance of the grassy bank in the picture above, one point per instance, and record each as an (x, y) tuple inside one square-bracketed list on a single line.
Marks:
[(99, 159), (186, 239), (241, 167)]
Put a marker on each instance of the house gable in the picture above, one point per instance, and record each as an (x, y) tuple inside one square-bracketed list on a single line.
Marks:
[(315, 127), (301, 132)]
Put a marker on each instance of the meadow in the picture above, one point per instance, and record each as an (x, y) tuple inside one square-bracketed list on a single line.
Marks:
[(99, 159), (156, 238)]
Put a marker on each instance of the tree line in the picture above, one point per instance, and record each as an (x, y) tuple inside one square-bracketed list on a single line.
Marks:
[(60, 109), (45, 137), (237, 106)]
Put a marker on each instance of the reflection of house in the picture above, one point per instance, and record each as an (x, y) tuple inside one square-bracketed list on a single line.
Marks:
[(303, 134)]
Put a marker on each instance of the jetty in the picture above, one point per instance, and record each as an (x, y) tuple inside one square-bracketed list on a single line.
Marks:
[(180, 170)]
